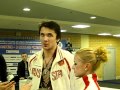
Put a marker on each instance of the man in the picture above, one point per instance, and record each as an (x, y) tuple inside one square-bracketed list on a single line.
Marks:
[(50, 67), (22, 71)]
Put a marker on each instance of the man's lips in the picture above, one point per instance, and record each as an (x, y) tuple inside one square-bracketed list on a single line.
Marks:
[(45, 44)]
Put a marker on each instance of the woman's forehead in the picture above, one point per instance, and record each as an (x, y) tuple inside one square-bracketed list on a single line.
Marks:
[(77, 57)]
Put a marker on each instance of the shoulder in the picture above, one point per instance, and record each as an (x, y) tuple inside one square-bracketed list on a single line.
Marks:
[(20, 63), (67, 54), (34, 56), (64, 51), (2, 60), (1, 57)]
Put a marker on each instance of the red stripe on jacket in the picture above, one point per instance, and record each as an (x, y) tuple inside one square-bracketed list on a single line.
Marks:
[(94, 76), (31, 61), (86, 81)]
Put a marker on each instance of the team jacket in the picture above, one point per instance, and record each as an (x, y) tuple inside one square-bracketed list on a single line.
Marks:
[(88, 82), (60, 70)]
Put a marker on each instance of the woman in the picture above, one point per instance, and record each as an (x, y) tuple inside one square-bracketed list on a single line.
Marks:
[(86, 62)]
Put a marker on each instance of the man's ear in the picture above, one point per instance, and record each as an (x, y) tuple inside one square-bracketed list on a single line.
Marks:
[(58, 40)]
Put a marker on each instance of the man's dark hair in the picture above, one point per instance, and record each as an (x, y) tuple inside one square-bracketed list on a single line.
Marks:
[(23, 53), (51, 25)]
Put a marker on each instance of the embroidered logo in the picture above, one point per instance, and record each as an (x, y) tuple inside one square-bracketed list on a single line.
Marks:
[(61, 62), (57, 74), (36, 72)]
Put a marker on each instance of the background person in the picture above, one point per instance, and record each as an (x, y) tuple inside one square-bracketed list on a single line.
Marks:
[(68, 45), (3, 69), (51, 66), (4, 84), (22, 70), (86, 62)]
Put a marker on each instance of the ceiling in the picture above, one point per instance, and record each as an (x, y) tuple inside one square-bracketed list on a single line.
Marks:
[(65, 12)]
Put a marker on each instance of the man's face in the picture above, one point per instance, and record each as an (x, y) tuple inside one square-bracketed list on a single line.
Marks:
[(24, 57), (48, 38)]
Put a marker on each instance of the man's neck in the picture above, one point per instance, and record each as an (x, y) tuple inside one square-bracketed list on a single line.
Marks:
[(49, 53), (24, 60)]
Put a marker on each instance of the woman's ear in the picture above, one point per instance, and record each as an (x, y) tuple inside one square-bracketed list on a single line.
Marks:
[(87, 66)]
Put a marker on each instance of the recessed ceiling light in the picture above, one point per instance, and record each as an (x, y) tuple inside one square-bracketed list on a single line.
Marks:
[(63, 30), (117, 35), (104, 34), (92, 17), (81, 26), (26, 9)]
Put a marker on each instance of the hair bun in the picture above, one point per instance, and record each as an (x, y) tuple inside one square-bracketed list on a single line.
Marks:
[(101, 54)]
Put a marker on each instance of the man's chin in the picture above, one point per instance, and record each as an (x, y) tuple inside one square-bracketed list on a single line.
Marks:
[(46, 48)]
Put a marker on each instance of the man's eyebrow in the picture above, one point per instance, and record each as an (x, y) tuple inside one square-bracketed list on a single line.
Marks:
[(49, 33)]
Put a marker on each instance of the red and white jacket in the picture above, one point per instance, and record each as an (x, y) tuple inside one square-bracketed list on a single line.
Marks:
[(88, 82), (60, 70)]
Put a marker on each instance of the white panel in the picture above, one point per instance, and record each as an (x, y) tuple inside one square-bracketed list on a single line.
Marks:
[(110, 66)]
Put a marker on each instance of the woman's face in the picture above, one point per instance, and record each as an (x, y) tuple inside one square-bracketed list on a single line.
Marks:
[(79, 66)]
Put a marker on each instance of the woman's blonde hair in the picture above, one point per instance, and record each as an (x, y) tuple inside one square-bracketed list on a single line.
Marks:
[(94, 57)]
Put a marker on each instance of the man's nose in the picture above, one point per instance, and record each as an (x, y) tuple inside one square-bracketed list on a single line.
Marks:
[(45, 38)]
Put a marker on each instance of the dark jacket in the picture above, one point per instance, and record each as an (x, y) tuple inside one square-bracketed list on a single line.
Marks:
[(21, 69), (3, 69)]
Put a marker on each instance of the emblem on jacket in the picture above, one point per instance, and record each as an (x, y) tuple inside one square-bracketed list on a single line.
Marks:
[(61, 62)]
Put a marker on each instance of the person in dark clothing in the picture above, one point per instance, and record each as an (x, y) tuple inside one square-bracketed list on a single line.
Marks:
[(3, 69), (68, 46), (4, 84), (22, 70)]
